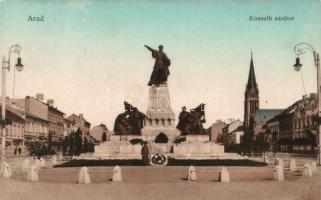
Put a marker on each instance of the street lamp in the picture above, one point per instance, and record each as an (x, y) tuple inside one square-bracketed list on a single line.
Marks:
[(297, 66), (301, 48), (19, 68), (6, 66)]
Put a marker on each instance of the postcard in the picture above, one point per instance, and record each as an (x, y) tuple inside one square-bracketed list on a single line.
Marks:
[(181, 99)]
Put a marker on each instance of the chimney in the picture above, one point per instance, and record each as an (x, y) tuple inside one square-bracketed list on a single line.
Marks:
[(39, 96), (304, 96), (50, 102), (230, 120), (81, 115)]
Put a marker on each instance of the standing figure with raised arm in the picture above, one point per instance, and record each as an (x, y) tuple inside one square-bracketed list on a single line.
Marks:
[(160, 71)]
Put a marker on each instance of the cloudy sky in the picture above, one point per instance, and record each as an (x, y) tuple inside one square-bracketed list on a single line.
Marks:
[(89, 56)]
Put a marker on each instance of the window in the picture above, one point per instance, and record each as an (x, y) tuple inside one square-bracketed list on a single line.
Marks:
[(169, 121)]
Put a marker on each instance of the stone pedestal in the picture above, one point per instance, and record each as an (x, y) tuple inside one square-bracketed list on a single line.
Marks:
[(32, 174), (118, 150), (197, 138), (83, 176), (25, 165), (224, 175), (116, 174), (278, 173), (191, 174), (160, 114)]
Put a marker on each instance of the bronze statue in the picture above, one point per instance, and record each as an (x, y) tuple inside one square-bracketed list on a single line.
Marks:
[(162, 63), (191, 123), (130, 122)]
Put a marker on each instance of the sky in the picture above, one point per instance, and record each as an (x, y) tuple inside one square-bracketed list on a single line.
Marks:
[(89, 56)]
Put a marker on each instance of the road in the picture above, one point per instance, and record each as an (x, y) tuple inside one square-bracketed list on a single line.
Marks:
[(159, 183)]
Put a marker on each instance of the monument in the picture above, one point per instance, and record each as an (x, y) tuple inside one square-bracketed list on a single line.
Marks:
[(161, 118), (156, 133)]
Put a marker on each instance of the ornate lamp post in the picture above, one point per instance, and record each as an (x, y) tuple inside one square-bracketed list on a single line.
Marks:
[(6, 66), (302, 48)]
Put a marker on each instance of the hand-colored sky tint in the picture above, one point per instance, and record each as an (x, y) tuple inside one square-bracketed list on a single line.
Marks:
[(90, 57)]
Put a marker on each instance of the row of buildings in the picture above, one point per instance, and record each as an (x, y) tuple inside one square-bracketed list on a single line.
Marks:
[(293, 129), (33, 120)]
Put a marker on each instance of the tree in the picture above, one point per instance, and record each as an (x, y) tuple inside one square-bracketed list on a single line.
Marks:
[(261, 143), (85, 147), (161, 138), (49, 141), (247, 140), (104, 137), (71, 144), (78, 142), (65, 145)]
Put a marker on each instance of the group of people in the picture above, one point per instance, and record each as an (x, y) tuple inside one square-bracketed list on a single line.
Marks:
[(17, 150), (38, 150)]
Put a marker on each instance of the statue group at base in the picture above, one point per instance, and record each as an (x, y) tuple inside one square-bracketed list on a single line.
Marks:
[(192, 122), (129, 122)]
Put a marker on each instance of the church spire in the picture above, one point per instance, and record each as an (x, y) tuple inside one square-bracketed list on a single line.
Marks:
[(251, 83)]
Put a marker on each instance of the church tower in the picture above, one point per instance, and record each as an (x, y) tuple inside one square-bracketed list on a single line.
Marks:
[(251, 102)]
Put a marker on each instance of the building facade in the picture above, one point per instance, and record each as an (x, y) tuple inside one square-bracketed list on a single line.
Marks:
[(272, 133), (295, 129), (80, 122), (261, 117), (36, 115), (98, 131), (56, 122), (15, 131), (229, 129), (68, 127), (235, 136), (216, 130)]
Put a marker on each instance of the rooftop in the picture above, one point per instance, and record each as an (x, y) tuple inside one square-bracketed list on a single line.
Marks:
[(264, 115), (251, 82)]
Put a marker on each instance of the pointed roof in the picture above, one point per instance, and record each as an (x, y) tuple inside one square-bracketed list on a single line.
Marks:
[(251, 82)]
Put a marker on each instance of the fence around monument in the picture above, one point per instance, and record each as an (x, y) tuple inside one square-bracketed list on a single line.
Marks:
[(101, 170)]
